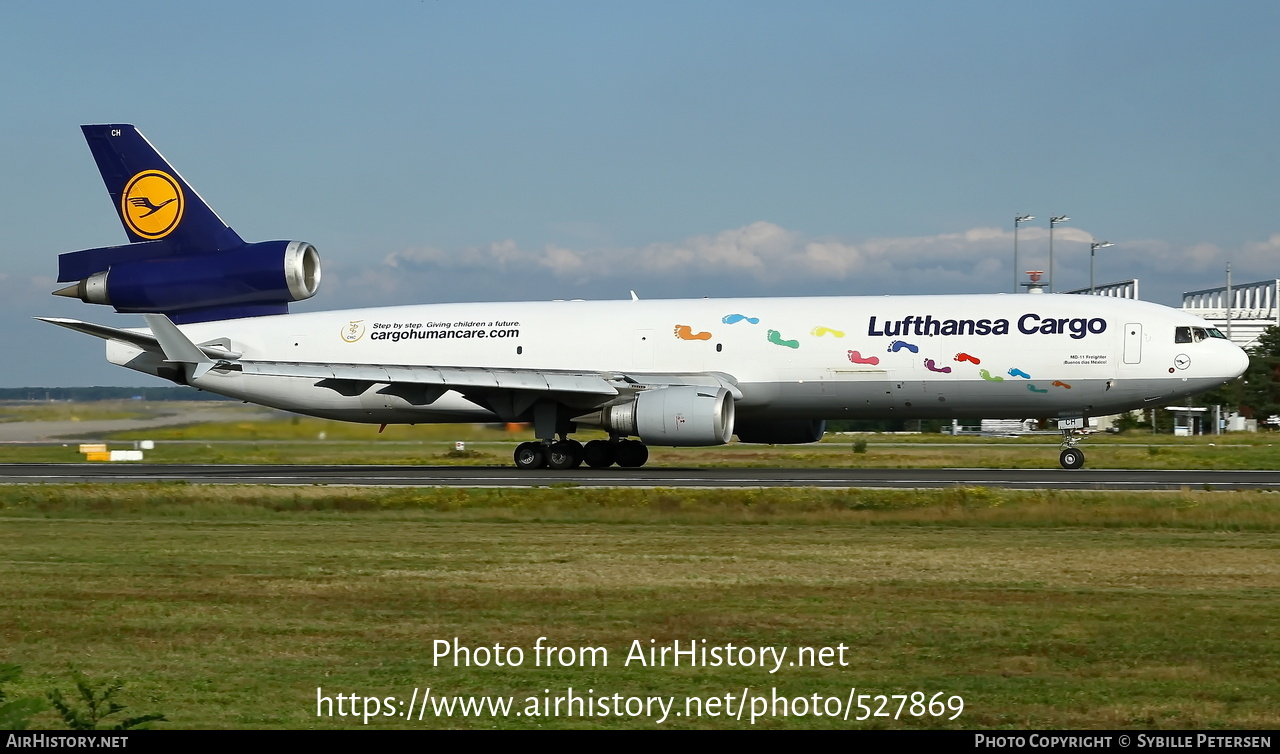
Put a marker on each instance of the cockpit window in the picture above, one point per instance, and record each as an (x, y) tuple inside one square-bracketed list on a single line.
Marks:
[(1195, 334)]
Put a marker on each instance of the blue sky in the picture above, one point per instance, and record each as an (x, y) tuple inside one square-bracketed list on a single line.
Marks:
[(446, 151)]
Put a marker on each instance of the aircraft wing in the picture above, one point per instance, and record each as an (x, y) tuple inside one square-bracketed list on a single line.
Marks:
[(353, 379), (506, 391)]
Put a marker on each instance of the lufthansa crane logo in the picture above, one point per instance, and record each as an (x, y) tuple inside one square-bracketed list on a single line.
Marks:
[(152, 204)]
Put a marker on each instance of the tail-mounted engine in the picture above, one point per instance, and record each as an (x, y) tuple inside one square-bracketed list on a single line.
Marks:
[(254, 279)]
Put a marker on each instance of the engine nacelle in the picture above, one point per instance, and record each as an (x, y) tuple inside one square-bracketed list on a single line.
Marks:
[(785, 432), (260, 278), (679, 416)]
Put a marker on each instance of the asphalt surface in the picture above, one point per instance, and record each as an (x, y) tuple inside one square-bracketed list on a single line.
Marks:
[(498, 476)]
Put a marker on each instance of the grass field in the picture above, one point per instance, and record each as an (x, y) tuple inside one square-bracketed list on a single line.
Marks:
[(226, 607), (68, 411)]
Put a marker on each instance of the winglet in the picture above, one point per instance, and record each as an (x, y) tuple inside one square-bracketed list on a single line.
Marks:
[(178, 348)]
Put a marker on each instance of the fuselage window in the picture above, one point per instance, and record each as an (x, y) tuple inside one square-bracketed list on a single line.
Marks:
[(1182, 335)]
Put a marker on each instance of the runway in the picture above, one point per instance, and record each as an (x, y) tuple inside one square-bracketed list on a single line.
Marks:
[(500, 476)]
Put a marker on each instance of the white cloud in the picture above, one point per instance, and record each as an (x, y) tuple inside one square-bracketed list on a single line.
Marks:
[(765, 258), (28, 289), (1259, 259), (761, 250)]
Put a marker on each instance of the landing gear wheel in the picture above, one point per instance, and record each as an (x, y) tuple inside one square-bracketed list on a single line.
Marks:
[(632, 454), (566, 454), (529, 455), (598, 454), (1071, 458)]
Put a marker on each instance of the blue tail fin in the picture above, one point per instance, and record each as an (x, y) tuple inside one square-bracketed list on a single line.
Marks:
[(182, 259), (152, 199)]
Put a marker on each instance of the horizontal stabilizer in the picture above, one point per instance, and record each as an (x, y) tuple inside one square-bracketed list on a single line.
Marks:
[(139, 339), (145, 341)]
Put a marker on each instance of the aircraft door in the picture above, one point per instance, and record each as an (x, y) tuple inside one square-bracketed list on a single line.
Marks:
[(1133, 343)]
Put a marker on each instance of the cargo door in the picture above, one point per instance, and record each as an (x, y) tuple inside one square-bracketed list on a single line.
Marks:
[(1133, 343)]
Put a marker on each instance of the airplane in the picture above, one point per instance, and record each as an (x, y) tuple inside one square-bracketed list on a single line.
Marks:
[(678, 373)]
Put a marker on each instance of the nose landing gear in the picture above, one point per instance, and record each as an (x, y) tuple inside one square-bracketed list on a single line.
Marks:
[(1071, 457)]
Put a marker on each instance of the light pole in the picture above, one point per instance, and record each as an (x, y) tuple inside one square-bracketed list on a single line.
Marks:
[(1052, 222), (1228, 291), (1017, 220), (1093, 249)]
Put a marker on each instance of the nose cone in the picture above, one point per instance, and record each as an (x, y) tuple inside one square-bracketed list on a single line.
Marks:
[(1235, 362)]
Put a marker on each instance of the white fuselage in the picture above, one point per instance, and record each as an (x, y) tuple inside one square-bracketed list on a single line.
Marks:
[(1013, 356)]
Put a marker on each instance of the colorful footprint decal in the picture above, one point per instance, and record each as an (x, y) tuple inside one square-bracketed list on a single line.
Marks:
[(733, 319), (818, 332), (967, 357), (684, 332), (776, 338), (932, 366), (858, 358), (1015, 372), (1035, 389), (1060, 383), (989, 377), (898, 345)]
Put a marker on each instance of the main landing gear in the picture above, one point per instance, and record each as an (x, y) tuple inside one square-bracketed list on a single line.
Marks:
[(570, 454), (1071, 456)]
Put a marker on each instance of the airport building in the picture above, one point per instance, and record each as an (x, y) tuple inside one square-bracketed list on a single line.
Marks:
[(1121, 289), (1242, 312)]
